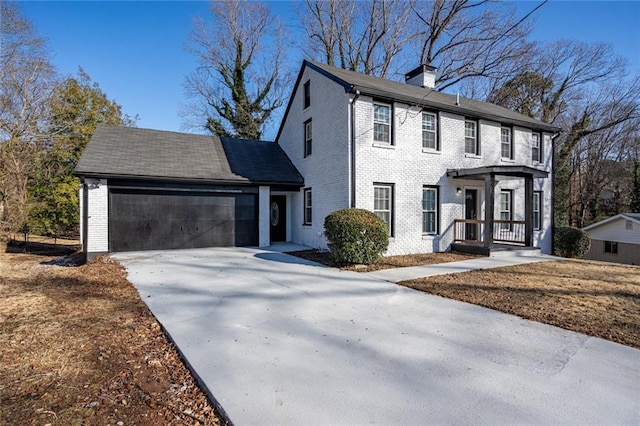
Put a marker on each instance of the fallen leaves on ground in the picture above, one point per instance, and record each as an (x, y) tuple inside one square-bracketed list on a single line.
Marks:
[(597, 299), (80, 347)]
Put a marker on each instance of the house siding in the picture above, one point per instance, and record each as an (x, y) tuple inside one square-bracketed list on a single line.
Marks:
[(326, 170), (616, 231), (627, 253)]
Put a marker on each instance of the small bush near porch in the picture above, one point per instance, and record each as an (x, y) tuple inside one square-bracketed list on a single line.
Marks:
[(356, 236)]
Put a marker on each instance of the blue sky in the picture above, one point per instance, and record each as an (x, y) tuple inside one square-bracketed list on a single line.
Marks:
[(135, 50)]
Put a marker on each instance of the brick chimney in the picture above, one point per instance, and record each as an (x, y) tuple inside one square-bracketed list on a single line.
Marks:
[(423, 76)]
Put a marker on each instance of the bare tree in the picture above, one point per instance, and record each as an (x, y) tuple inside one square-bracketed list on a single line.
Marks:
[(26, 83), (364, 36), (237, 85), (467, 39), (584, 89)]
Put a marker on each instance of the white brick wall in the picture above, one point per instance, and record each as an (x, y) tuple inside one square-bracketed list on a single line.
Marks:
[(98, 216), (406, 165), (326, 170), (409, 167)]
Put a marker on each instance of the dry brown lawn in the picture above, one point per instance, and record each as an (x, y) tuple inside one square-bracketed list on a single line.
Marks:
[(78, 346), (597, 299)]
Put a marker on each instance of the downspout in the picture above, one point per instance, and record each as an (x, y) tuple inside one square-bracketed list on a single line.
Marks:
[(353, 148), (85, 217), (553, 191)]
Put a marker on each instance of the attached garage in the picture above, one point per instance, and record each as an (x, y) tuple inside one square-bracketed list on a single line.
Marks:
[(157, 220), (153, 190)]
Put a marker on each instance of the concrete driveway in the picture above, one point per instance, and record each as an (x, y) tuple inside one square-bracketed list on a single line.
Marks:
[(278, 340)]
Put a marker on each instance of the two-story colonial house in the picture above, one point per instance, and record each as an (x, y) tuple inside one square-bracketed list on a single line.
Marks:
[(438, 169), (441, 171)]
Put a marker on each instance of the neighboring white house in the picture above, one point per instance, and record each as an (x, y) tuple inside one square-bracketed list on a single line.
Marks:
[(436, 167), (443, 171), (615, 239)]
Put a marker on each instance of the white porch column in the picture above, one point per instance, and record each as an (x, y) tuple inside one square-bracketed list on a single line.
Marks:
[(264, 196)]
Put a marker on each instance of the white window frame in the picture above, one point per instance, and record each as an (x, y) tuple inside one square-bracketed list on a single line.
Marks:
[(506, 140), (536, 147), (384, 212), (380, 123), (537, 210), (474, 137), (430, 211), (308, 138), (430, 131), (506, 214), (308, 207)]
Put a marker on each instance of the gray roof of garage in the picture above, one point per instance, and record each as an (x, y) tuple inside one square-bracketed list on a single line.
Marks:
[(128, 152)]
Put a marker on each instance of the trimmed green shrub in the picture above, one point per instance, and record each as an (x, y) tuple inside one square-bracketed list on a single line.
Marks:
[(356, 236), (570, 242)]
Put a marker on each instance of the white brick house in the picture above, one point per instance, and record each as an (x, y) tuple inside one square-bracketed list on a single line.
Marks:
[(423, 160)]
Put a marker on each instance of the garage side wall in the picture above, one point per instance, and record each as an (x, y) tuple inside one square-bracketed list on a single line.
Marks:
[(97, 218)]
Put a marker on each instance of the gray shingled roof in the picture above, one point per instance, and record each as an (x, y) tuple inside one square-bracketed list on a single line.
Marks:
[(429, 98), (127, 152)]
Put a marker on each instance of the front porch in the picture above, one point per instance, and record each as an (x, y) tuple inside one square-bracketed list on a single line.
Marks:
[(476, 236), (508, 236)]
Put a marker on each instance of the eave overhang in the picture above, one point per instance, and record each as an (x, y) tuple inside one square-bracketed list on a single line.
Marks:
[(479, 173)]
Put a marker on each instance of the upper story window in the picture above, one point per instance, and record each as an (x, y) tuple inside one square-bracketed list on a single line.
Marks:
[(430, 130), (308, 206), (471, 140), (628, 224), (536, 148), (537, 210), (430, 210), (383, 203), (506, 143), (308, 133), (382, 123), (307, 94)]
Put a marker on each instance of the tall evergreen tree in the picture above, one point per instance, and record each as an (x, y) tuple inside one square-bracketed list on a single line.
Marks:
[(78, 105)]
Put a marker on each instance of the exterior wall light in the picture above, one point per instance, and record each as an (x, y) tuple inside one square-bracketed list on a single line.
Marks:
[(458, 191)]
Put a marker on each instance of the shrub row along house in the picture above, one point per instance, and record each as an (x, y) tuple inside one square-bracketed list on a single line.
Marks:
[(441, 170)]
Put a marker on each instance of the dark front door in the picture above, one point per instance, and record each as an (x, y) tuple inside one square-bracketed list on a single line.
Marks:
[(471, 213), (278, 218)]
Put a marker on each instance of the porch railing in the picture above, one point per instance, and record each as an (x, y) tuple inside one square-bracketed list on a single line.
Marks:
[(504, 231)]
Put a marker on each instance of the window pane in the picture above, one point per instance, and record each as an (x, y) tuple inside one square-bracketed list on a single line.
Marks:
[(381, 113), (308, 131), (428, 139), (505, 138), (428, 121), (470, 141), (384, 216), (381, 133)]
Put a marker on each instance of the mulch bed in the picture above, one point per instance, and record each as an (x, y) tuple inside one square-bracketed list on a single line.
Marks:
[(324, 257)]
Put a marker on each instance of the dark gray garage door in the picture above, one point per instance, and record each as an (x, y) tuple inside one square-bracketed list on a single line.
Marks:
[(155, 220)]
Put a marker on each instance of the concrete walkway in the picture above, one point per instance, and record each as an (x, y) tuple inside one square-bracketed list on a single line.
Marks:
[(395, 275), (279, 340)]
